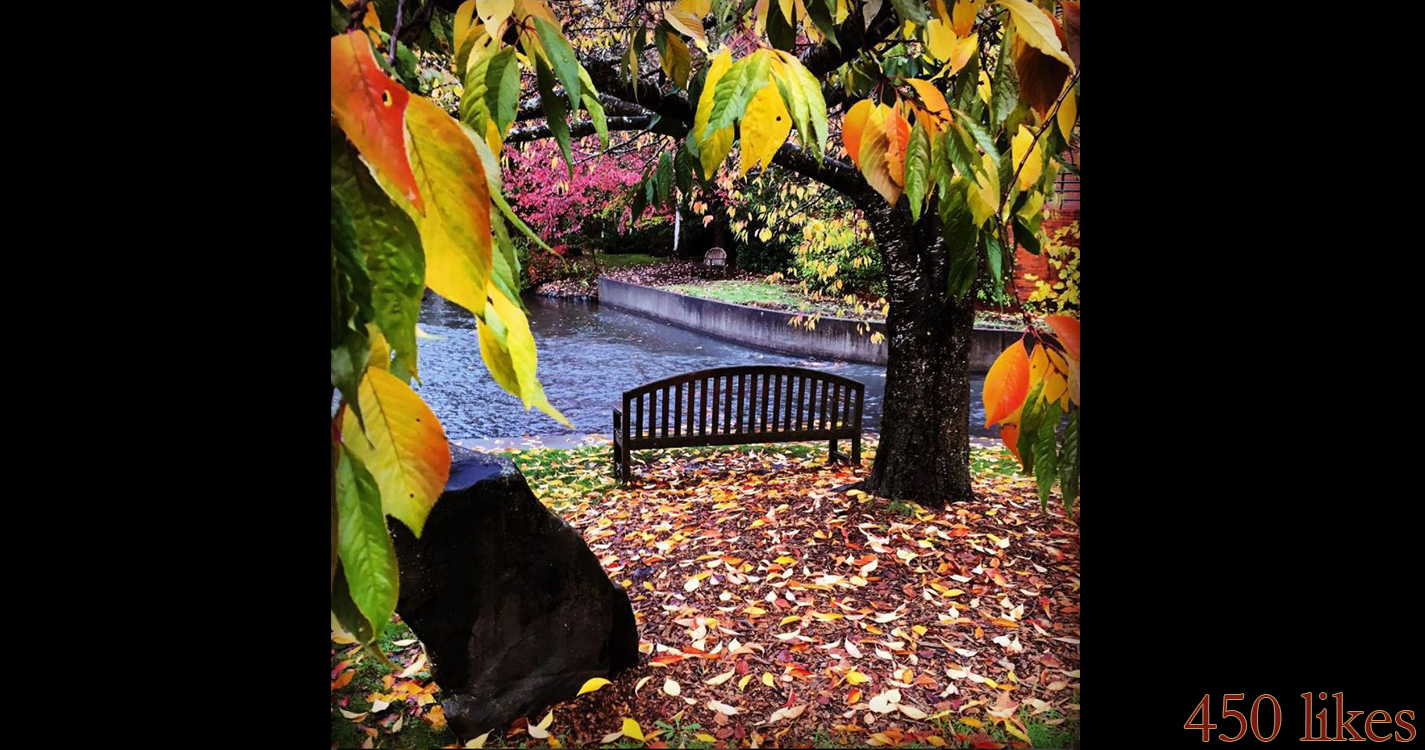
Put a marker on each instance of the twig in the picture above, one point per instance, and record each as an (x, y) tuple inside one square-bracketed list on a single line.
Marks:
[(396, 32)]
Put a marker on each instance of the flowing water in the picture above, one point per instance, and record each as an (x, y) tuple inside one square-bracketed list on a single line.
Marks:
[(588, 356)]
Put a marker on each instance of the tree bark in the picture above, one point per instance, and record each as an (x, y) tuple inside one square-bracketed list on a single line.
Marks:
[(924, 450)]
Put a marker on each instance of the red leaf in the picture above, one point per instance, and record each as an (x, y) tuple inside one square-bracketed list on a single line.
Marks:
[(371, 110)]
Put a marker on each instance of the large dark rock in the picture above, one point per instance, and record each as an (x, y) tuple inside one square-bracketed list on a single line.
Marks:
[(513, 608)]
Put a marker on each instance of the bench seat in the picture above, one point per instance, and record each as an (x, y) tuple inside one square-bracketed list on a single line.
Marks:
[(737, 406)]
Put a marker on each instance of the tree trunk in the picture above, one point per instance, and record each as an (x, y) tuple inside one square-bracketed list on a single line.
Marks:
[(924, 451)]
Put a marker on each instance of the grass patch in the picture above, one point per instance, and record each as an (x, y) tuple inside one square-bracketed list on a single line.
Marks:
[(742, 292), (623, 261)]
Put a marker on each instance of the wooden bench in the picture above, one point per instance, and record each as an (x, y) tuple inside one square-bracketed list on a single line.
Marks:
[(715, 257), (735, 406)]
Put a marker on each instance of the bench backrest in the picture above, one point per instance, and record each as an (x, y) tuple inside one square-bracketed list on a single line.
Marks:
[(715, 257), (733, 405)]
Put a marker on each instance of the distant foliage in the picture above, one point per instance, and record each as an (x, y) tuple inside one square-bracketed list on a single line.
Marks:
[(1061, 296)]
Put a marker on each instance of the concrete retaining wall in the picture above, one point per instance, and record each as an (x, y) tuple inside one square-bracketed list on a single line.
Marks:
[(833, 338)]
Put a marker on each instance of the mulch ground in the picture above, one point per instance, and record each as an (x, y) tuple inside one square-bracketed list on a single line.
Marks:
[(759, 588), (775, 609)]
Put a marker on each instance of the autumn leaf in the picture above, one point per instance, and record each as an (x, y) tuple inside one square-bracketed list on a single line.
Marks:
[(370, 108), (591, 685), (1007, 383), (1066, 328), (455, 230), (764, 127), (632, 730), (714, 146), (403, 447), (852, 127)]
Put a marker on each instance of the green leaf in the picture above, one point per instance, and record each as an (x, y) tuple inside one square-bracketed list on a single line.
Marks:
[(994, 254), (964, 95), (911, 10), (981, 136), (474, 104), (1069, 463), (781, 33), (665, 178), (554, 112), (1029, 427), (407, 67), (505, 271), (1025, 236), (917, 169), (1004, 89), (1046, 460), (801, 92), (957, 224), (960, 149), (390, 246), (344, 609), (367, 555), (350, 306), (502, 87), (561, 57), (590, 97), (822, 14), (736, 88), (683, 167)]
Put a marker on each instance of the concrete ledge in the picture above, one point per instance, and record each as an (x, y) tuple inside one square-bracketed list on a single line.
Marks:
[(833, 338)]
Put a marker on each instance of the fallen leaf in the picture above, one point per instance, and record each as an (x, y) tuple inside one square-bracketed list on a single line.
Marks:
[(593, 684)]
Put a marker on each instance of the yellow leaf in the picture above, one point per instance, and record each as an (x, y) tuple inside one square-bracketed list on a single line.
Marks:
[(1068, 112), (677, 60), (1034, 165), (940, 38), (856, 678), (742, 683), (592, 685), (404, 447), (492, 12), (1036, 27), (789, 618), (631, 729), (478, 742), (765, 126), (686, 20), (853, 125), (715, 147), (703, 736), (984, 87), (455, 230), (768, 679), (983, 193), (519, 343), (724, 677), (962, 18)]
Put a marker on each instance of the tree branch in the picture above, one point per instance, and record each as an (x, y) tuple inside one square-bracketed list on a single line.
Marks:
[(836, 175), (580, 129)]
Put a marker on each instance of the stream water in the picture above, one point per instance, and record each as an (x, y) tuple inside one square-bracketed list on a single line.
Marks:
[(588, 356)]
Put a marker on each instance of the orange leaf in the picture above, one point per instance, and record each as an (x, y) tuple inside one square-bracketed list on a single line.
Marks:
[(853, 125), (370, 108), (1067, 329), (345, 677), (875, 152), (1009, 433), (897, 138), (1007, 383), (938, 108)]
